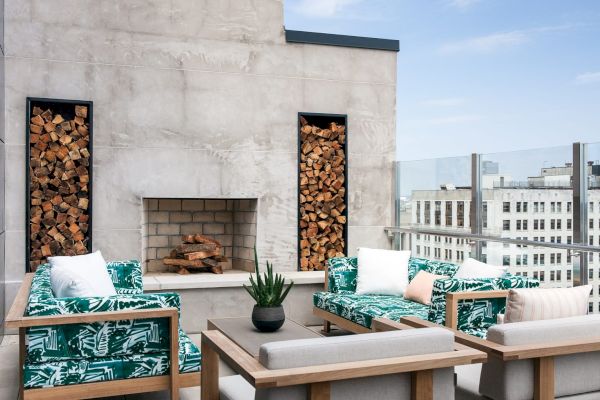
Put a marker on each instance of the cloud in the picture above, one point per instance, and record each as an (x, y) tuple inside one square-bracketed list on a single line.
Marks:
[(462, 4), (497, 41), (486, 44), (446, 102), (588, 78), (323, 8)]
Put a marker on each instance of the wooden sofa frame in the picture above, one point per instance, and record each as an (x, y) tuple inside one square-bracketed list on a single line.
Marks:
[(452, 300), (542, 353), (16, 319), (215, 345)]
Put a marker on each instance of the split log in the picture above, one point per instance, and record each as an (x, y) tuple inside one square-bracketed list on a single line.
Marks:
[(192, 264)]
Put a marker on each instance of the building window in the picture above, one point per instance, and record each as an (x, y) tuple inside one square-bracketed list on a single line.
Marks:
[(569, 206), (569, 239), (506, 225), (518, 206), (524, 259), (552, 224), (518, 259), (542, 224), (438, 213), (506, 206), (518, 224), (524, 206), (484, 214), (591, 238), (536, 206), (552, 259), (418, 250), (506, 260), (542, 259), (525, 227), (569, 274), (591, 273), (558, 206), (536, 224), (448, 213), (542, 206), (591, 206), (418, 212), (460, 213), (542, 276), (591, 307), (427, 212), (536, 259), (559, 224), (569, 223), (535, 275), (591, 222), (553, 207), (569, 256)]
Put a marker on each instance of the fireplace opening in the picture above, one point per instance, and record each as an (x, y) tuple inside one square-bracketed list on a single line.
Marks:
[(230, 222)]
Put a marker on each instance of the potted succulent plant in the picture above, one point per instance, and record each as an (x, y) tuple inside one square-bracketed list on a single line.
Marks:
[(268, 292)]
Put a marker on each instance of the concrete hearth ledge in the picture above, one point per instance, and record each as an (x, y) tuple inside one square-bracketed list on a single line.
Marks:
[(172, 281)]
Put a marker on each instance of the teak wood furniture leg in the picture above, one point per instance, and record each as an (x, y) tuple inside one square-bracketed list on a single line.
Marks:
[(319, 391), (544, 378), (422, 385), (174, 356), (209, 386)]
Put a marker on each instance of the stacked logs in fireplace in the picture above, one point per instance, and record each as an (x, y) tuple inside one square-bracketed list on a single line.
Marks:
[(322, 197), (59, 177), (196, 253)]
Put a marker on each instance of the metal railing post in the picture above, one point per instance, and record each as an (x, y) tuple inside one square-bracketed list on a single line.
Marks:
[(397, 241), (580, 213), (475, 214)]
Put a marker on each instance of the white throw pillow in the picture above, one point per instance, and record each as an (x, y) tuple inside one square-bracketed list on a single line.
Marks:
[(382, 271), (473, 269), (538, 304), (80, 276)]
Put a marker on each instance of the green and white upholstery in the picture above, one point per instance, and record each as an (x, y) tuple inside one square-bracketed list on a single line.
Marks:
[(474, 316), (103, 351)]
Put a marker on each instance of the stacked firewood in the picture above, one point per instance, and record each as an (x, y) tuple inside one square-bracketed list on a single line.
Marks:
[(322, 194), (59, 177), (196, 253)]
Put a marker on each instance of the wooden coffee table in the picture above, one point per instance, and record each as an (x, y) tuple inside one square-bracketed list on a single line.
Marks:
[(241, 331)]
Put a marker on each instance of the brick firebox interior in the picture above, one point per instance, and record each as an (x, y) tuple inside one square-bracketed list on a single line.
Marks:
[(230, 221)]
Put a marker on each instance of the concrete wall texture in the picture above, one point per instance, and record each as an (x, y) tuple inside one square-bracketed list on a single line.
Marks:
[(195, 99)]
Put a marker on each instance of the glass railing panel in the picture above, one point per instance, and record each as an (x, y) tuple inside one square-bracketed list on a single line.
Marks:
[(434, 193), (593, 214)]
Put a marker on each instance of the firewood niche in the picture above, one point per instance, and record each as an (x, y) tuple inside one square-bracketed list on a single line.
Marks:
[(322, 177), (59, 179)]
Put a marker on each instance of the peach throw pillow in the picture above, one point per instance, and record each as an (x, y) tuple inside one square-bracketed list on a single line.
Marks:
[(420, 288)]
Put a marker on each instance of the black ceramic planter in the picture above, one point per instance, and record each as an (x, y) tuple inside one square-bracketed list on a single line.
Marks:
[(268, 319)]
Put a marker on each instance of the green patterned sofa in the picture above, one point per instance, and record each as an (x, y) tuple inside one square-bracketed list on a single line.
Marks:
[(70, 353), (340, 305)]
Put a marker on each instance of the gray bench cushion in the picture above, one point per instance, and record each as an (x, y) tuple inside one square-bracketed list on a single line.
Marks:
[(306, 352), (574, 375)]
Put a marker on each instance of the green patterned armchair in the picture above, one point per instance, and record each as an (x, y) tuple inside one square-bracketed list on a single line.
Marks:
[(86, 342), (340, 304)]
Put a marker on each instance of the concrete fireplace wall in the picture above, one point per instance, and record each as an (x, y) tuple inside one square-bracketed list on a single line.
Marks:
[(196, 99)]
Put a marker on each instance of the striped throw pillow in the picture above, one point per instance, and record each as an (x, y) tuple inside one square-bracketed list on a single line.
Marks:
[(538, 304)]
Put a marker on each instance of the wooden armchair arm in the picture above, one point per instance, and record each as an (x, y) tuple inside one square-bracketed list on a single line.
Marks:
[(452, 299), (215, 345)]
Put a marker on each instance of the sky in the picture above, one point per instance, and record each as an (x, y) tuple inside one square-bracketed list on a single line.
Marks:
[(479, 76)]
